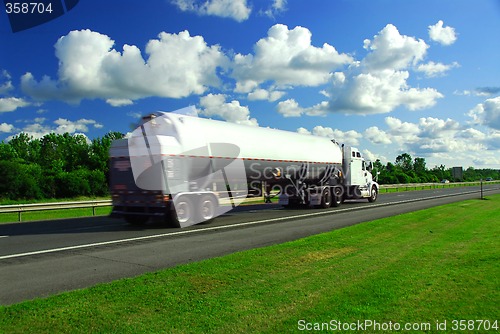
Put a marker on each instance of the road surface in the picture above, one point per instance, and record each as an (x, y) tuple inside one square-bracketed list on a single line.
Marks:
[(40, 259)]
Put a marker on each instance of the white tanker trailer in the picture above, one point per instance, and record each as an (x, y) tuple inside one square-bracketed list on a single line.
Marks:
[(187, 170)]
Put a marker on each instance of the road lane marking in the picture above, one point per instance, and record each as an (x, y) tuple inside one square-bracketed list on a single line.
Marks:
[(215, 228)]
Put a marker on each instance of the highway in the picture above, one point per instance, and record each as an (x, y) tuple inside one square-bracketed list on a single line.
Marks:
[(40, 259)]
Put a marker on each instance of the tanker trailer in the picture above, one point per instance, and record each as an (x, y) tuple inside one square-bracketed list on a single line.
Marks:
[(187, 170)]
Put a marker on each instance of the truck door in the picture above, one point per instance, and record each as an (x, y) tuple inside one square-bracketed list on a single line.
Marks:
[(357, 172)]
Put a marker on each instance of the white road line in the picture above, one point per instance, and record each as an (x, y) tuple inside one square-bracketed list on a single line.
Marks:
[(215, 228), (4, 236)]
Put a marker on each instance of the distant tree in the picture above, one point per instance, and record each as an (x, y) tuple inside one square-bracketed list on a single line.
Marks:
[(404, 161)]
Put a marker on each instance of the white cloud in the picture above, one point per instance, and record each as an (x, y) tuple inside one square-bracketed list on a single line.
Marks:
[(350, 137), (286, 58), (443, 139), (277, 7), (12, 103), (291, 108), (378, 83), (7, 85), (134, 114), (119, 102), (303, 131), (177, 65), (4, 127), (237, 10), (391, 50), (37, 127), (216, 105), (402, 132), (377, 136), (64, 125), (434, 127), (370, 156), (442, 35), (487, 113), (263, 94), (432, 69)]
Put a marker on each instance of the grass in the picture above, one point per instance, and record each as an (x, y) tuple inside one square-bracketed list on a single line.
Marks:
[(421, 267), (53, 214)]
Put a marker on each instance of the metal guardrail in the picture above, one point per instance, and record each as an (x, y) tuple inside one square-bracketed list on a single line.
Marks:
[(20, 208)]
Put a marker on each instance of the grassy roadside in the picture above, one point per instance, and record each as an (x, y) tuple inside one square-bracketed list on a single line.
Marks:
[(426, 266)]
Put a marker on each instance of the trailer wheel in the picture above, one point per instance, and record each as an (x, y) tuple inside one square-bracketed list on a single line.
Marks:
[(374, 195), (338, 195), (326, 198), (208, 208), (182, 212)]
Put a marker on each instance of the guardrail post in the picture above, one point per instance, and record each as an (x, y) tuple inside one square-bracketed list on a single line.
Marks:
[(19, 216)]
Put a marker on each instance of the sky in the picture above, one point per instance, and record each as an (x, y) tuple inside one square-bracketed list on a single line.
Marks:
[(414, 76)]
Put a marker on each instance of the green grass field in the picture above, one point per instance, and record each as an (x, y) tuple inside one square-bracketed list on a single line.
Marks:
[(439, 264)]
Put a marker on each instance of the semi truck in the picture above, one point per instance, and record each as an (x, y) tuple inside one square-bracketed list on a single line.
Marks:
[(184, 170)]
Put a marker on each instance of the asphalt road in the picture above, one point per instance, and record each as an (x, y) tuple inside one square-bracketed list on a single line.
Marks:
[(44, 258)]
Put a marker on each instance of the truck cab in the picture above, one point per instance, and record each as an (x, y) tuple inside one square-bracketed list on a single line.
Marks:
[(358, 180)]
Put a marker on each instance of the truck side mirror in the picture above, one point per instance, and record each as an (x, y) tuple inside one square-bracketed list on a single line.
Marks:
[(369, 166)]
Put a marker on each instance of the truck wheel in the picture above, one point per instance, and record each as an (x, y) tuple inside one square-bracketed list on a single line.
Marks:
[(373, 196), (337, 197), (182, 212), (326, 198), (208, 208), (136, 220)]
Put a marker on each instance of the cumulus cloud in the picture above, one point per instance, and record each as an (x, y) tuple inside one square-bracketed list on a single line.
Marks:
[(177, 65), (432, 69), (216, 105), (391, 50), (291, 108), (487, 113), (350, 137), (443, 35), (277, 7), (237, 10), (37, 127), (12, 103), (378, 83), (264, 94), (119, 102), (4, 127), (286, 58), (431, 127), (7, 85), (377, 136), (438, 137)]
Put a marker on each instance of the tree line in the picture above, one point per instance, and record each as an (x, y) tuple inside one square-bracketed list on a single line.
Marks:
[(408, 170), (67, 166), (54, 166)]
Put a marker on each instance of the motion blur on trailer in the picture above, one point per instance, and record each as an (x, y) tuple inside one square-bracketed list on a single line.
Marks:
[(185, 170)]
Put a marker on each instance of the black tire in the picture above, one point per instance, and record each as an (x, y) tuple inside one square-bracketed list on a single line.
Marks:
[(208, 208), (182, 212), (338, 196), (326, 198), (136, 220), (373, 195)]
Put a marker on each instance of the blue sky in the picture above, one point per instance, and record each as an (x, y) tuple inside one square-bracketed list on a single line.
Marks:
[(421, 77)]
